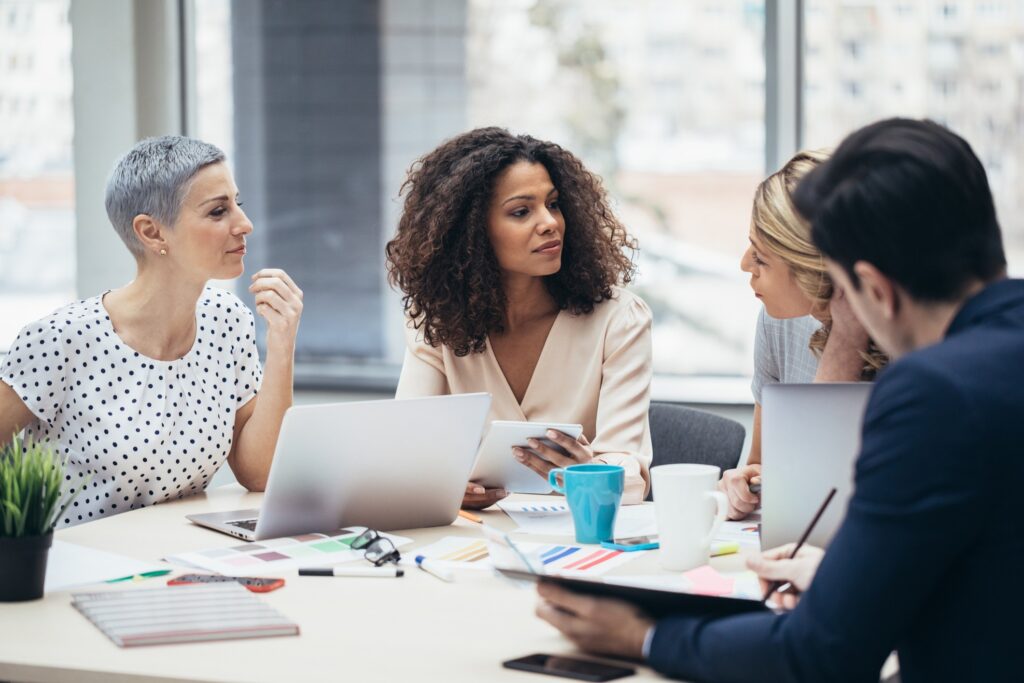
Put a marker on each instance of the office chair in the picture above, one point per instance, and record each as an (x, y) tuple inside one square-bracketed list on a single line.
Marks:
[(687, 435)]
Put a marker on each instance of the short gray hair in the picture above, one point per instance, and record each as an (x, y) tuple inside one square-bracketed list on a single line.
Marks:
[(152, 179)]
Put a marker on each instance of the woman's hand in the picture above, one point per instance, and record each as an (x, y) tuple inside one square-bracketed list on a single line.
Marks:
[(735, 484), (846, 328), (279, 301), (258, 422), (542, 458), (477, 497), (841, 359), (775, 565)]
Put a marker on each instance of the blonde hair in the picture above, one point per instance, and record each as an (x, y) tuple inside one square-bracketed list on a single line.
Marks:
[(786, 234)]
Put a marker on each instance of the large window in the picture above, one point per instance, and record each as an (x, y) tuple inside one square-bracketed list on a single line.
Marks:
[(959, 62), (37, 226), (323, 106), (665, 100), (326, 105)]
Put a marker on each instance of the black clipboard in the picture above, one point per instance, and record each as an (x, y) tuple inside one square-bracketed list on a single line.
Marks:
[(656, 603)]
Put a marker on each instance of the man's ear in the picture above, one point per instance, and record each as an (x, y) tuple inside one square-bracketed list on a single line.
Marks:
[(150, 234), (879, 289)]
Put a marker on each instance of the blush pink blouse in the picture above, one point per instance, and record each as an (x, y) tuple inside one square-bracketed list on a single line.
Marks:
[(594, 370)]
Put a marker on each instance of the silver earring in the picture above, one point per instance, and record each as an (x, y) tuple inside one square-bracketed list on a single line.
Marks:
[(163, 252)]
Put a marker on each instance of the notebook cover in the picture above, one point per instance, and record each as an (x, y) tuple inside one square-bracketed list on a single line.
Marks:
[(657, 603), (182, 614)]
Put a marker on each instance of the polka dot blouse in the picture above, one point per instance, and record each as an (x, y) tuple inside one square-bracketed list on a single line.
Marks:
[(146, 430)]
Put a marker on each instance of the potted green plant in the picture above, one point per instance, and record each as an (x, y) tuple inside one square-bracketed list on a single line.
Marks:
[(31, 489)]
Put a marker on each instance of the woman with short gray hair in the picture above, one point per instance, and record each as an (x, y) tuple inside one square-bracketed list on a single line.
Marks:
[(148, 389)]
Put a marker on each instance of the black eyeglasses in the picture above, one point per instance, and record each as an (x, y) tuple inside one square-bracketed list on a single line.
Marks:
[(377, 549)]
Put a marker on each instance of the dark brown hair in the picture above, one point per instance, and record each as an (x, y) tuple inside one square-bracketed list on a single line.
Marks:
[(441, 257)]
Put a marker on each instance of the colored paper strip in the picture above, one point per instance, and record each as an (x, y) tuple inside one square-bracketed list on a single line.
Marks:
[(483, 554), (583, 560), (565, 553), (463, 554), (551, 551), (610, 555)]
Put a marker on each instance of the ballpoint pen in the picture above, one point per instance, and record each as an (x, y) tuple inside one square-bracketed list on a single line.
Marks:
[(470, 516), (776, 586), (140, 576)]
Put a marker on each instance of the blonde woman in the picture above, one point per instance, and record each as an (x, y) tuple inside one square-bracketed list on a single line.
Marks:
[(806, 331)]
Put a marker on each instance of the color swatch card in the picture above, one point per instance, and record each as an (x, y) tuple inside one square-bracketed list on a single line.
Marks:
[(271, 557), (554, 518), (182, 614), (469, 553)]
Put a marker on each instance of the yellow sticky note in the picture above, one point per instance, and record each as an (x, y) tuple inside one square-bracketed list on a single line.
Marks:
[(724, 548)]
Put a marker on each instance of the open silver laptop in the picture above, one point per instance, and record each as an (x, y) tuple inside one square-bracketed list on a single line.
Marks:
[(380, 464), (810, 439)]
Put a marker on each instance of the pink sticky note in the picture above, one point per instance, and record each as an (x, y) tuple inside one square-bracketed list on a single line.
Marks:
[(707, 581)]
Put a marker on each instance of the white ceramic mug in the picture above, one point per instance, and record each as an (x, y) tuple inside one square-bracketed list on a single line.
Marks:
[(689, 508)]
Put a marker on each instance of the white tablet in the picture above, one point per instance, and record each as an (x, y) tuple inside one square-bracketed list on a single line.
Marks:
[(496, 467)]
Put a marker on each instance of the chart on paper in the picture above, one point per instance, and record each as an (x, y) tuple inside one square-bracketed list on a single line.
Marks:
[(470, 553), (746, 533), (555, 519), (279, 554)]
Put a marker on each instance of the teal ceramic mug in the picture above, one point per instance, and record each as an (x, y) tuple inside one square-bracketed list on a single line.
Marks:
[(593, 493)]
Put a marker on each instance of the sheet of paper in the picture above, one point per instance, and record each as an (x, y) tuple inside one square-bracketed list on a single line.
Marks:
[(746, 533), (471, 553), (458, 552), (555, 519), (71, 565), (271, 557)]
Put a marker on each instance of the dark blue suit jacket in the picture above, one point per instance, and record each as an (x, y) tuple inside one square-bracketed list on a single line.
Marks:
[(930, 558)]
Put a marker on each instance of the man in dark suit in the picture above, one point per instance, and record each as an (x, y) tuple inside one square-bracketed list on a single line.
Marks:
[(929, 555)]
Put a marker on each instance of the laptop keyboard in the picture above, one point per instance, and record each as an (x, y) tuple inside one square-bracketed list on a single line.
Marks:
[(249, 524)]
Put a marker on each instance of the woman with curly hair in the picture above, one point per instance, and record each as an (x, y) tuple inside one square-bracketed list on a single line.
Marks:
[(806, 331), (511, 262)]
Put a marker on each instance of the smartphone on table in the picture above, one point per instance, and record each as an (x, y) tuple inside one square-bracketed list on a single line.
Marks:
[(256, 584), (569, 667), (631, 543)]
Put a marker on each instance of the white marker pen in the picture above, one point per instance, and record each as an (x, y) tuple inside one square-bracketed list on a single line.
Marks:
[(387, 571)]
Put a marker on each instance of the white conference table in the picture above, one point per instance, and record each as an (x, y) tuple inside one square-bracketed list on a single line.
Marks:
[(355, 629)]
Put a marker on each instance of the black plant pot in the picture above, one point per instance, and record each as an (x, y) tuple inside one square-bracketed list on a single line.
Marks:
[(23, 567)]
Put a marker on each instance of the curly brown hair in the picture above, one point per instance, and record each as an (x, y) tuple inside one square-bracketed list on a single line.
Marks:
[(441, 257)]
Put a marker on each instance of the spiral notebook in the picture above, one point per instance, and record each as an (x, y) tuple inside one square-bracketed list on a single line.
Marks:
[(182, 614)]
